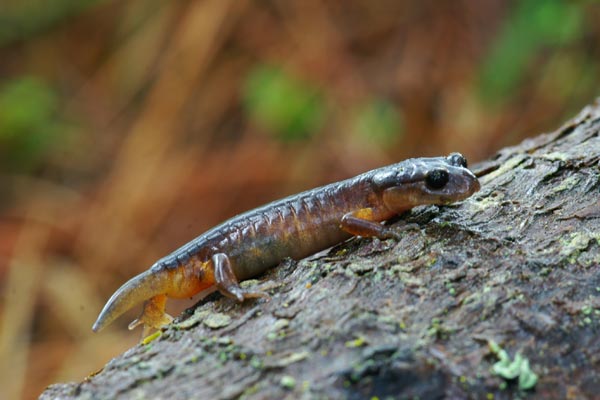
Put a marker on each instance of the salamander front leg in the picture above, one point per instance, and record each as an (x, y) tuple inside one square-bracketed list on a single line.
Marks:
[(227, 282), (364, 222)]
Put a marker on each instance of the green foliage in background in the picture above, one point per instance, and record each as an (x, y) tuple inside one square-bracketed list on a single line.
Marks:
[(378, 122), (533, 26), (28, 123), (288, 108)]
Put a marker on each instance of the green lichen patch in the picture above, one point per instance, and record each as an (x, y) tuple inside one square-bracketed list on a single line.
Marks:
[(358, 342), (197, 317), (573, 248), (150, 338), (503, 170), (280, 324), (288, 382), (556, 156), (513, 369), (567, 184), (217, 320)]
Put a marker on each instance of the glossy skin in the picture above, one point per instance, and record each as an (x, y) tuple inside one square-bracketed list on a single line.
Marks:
[(297, 226)]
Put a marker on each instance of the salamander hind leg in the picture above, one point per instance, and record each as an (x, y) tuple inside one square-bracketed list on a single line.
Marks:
[(153, 315), (227, 283)]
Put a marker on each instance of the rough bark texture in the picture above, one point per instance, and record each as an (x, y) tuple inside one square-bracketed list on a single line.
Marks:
[(518, 263)]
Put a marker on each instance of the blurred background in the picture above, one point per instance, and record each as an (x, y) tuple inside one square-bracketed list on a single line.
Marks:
[(127, 128)]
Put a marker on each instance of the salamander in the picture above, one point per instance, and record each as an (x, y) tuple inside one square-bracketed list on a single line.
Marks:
[(297, 226)]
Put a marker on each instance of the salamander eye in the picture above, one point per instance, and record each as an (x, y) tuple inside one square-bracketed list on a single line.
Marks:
[(437, 178), (458, 160)]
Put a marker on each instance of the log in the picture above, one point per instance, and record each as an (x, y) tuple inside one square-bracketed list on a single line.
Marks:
[(498, 295)]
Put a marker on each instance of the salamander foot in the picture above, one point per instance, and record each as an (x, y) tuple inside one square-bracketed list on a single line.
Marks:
[(227, 283), (153, 315)]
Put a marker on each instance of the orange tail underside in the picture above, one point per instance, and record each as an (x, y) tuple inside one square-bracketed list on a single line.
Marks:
[(153, 287)]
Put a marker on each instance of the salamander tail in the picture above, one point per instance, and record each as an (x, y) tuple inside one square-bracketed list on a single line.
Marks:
[(145, 286)]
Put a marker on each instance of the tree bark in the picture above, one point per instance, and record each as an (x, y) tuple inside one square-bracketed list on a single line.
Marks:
[(518, 264)]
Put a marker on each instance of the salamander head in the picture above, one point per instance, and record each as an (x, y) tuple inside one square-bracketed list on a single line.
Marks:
[(439, 180)]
